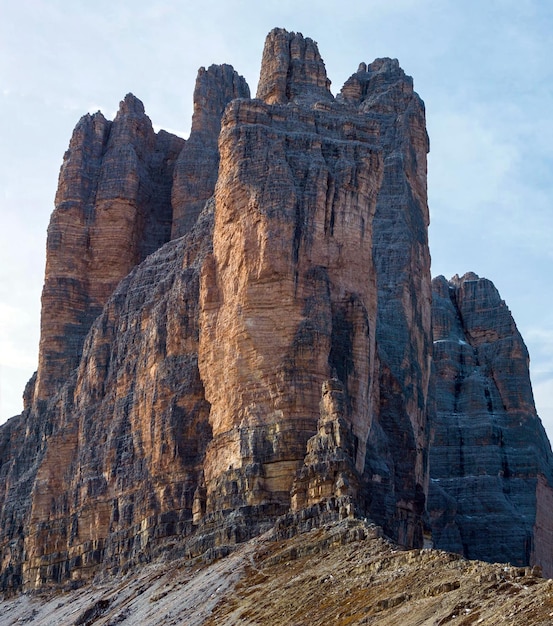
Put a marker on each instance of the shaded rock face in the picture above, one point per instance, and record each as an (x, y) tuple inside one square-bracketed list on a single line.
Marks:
[(112, 209), (491, 463), (196, 168), (292, 70), (396, 464)]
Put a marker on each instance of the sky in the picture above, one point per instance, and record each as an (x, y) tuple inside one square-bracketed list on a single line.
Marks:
[(483, 68)]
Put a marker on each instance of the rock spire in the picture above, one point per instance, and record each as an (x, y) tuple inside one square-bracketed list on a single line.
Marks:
[(237, 332)]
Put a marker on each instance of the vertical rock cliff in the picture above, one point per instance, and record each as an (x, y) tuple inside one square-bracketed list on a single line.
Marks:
[(112, 209), (397, 464), (237, 327), (491, 463), (288, 296), (298, 287)]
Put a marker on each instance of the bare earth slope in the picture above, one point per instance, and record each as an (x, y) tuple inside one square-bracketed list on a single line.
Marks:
[(345, 573)]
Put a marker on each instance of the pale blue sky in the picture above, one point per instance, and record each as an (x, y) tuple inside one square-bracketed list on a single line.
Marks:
[(483, 67)]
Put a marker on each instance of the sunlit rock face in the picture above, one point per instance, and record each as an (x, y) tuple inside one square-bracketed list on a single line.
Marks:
[(320, 268), (237, 327), (289, 294), (113, 208), (491, 463)]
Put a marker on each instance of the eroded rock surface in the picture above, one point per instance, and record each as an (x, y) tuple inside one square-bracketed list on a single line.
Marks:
[(288, 295), (274, 361), (113, 208), (491, 463)]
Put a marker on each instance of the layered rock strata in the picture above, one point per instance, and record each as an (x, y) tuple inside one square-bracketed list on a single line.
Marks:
[(196, 168), (113, 208), (273, 360), (288, 295), (120, 466), (329, 466), (292, 286), (491, 463), (202, 376)]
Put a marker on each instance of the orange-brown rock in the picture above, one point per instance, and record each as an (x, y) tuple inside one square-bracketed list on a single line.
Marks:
[(288, 295), (121, 467), (199, 384), (112, 209)]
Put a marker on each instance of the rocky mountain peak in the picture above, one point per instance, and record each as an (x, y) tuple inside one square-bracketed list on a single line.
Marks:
[(239, 332), (292, 70), (215, 88), (197, 166), (380, 85), (130, 106)]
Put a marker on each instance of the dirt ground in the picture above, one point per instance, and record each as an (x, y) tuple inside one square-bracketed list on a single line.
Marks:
[(343, 574)]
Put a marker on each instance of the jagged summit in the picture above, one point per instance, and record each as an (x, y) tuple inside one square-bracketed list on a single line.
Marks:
[(292, 70), (197, 165), (237, 331), (131, 105)]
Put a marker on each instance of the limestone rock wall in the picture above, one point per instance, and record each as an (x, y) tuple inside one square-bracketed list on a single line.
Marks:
[(196, 168), (491, 463), (112, 209), (199, 383), (397, 466)]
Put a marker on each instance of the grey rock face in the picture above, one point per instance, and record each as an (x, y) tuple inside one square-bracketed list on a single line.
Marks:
[(490, 460), (397, 458), (196, 168)]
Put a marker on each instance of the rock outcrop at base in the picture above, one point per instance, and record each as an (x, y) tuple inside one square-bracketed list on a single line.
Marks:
[(344, 573), (236, 329), (491, 463)]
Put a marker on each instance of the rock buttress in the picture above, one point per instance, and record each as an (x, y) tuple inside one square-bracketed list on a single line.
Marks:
[(396, 471), (112, 209), (490, 461)]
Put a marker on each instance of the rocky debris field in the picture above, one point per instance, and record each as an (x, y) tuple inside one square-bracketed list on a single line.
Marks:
[(344, 574)]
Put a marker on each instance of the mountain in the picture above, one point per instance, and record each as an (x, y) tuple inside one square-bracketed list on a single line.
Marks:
[(490, 460), (237, 336)]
